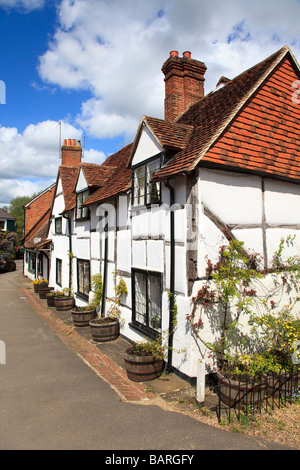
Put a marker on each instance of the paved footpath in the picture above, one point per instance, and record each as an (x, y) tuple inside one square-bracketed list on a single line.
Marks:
[(58, 391)]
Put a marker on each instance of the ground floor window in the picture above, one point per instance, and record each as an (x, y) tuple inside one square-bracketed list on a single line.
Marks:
[(84, 280), (147, 294), (31, 261), (59, 272)]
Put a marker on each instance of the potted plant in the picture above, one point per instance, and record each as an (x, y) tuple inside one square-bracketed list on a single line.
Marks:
[(107, 328), (39, 283), (81, 316), (50, 298), (63, 300), (43, 291), (144, 361)]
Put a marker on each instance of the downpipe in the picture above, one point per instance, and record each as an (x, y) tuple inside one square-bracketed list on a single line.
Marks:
[(172, 277)]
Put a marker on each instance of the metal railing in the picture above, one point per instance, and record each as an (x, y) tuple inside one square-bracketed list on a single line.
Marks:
[(258, 393)]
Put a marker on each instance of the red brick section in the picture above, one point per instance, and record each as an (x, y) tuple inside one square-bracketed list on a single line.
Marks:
[(71, 152), (184, 83), (99, 362)]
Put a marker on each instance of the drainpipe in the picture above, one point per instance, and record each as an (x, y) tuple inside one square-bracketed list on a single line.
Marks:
[(172, 275), (105, 266), (70, 248)]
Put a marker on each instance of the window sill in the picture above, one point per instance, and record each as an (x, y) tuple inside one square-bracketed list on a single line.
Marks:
[(144, 330), (81, 296)]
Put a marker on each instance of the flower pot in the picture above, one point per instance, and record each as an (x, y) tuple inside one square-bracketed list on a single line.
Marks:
[(108, 330), (240, 394), (62, 303), (43, 291), (50, 300), (37, 287), (142, 368), (82, 318)]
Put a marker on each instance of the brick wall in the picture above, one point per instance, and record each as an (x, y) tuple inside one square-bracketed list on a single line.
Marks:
[(71, 152)]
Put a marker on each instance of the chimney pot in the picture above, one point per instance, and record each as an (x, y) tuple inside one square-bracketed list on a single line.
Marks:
[(69, 142), (65, 142), (74, 142), (187, 54), (174, 54)]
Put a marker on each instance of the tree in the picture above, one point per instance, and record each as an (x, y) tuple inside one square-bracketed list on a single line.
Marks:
[(16, 209)]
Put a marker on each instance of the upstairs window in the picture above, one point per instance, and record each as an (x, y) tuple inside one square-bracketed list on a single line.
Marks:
[(145, 192), (82, 212), (58, 225)]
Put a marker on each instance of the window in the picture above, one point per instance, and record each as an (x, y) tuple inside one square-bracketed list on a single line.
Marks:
[(82, 212), (147, 293), (2, 224), (145, 192), (59, 272), (58, 225), (83, 275), (32, 262)]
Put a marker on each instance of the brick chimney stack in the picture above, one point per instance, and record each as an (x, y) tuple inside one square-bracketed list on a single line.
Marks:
[(184, 83), (71, 152)]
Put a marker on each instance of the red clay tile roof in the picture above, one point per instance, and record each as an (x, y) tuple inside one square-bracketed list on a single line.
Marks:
[(95, 175), (39, 232), (170, 135), (119, 179), (68, 177), (251, 123)]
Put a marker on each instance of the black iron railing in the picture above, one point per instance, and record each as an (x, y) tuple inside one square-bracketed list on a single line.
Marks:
[(258, 393)]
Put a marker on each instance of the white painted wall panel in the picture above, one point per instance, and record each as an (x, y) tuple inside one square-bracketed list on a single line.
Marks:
[(124, 250), (282, 202), (139, 254), (234, 198), (146, 148), (155, 255)]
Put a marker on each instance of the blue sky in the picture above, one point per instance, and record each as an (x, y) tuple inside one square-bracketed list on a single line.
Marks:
[(95, 66)]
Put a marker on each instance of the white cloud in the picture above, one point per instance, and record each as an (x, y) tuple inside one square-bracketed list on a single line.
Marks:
[(116, 50), (26, 5), (29, 161)]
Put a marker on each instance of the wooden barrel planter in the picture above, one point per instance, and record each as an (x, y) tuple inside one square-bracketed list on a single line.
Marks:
[(283, 384), (82, 317), (50, 300), (142, 368), (43, 291), (38, 287), (240, 394), (107, 330), (62, 303)]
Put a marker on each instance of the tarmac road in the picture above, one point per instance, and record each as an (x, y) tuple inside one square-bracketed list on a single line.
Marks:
[(51, 400)]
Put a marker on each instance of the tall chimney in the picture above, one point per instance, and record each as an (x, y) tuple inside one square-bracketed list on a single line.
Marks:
[(71, 152), (184, 83)]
